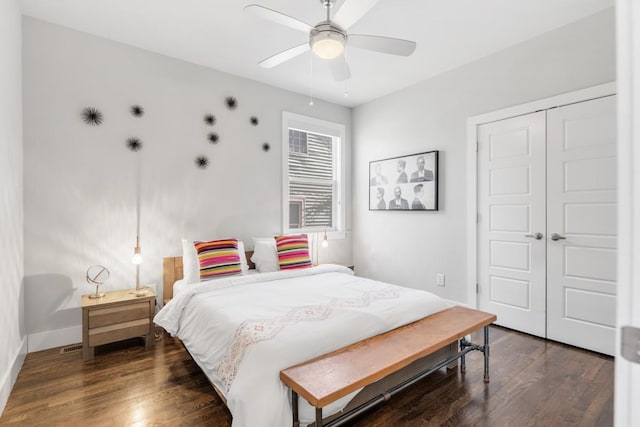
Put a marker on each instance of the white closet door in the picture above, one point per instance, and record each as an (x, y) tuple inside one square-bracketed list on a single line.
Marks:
[(511, 203), (581, 200)]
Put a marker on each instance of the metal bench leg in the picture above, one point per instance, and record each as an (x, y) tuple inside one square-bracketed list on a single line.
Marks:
[(318, 417), (294, 408), (485, 351), (463, 364)]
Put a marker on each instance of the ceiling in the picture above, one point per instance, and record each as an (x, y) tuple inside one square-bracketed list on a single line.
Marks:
[(217, 34)]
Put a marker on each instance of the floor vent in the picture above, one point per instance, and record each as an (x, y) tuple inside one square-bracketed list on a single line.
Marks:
[(71, 348)]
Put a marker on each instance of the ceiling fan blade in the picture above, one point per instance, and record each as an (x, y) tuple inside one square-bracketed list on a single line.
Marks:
[(351, 12), (277, 17), (339, 68), (382, 44), (285, 55)]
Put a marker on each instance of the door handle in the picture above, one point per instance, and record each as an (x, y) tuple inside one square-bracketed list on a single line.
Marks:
[(536, 236), (556, 236)]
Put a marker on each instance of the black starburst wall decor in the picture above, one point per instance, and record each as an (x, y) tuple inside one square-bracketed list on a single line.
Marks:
[(137, 110), (266, 147), (231, 102), (202, 162), (92, 116), (213, 137), (134, 144), (254, 120), (210, 119)]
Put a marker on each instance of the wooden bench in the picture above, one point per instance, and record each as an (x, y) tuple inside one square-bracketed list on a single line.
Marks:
[(329, 377)]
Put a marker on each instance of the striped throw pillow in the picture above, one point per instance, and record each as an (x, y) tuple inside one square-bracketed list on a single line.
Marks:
[(293, 252), (218, 258)]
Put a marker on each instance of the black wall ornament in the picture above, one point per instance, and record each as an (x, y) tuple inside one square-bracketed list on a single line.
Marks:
[(137, 110), (213, 137), (210, 119), (231, 102), (202, 162), (134, 144), (254, 120), (91, 116), (266, 147)]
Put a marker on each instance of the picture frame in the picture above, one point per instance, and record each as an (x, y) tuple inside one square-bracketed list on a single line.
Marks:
[(405, 183)]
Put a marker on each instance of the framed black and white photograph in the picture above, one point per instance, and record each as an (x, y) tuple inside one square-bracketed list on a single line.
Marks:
[(406, 183)]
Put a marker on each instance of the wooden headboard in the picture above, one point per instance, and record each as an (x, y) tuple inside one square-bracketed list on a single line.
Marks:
[(172, 271)]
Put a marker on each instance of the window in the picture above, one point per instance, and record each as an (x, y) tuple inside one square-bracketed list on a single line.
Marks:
[(297, 142), (312, 174), (296, 207)]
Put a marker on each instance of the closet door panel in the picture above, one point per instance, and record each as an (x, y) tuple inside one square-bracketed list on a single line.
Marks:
[(511, 206), (581, 203)]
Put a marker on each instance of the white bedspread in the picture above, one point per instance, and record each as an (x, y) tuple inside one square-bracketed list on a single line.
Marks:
[(243, 330)]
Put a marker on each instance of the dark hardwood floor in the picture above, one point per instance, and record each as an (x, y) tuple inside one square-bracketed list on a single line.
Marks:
[(533, 383)]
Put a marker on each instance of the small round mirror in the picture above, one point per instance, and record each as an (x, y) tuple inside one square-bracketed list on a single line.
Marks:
[(97, 275)]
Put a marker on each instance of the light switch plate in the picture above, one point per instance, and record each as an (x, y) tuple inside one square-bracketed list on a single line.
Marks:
[(440, 279)]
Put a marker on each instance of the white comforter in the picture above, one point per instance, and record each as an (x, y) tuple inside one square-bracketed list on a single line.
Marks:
[(243, 330)]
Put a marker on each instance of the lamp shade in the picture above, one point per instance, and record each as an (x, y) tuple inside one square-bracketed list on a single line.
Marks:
[(137, 253), (137, 258), (325, 242)]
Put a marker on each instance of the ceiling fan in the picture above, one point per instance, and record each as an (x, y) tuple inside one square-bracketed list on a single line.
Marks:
[(328, 39)]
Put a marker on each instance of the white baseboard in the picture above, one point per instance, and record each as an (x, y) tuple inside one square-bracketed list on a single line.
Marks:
[(6, 383), (56, 338), (452, 303)]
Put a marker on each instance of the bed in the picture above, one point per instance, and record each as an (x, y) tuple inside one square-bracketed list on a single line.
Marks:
[(243, 330)]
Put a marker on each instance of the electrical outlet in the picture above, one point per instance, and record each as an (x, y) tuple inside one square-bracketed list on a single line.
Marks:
[(440, 279)]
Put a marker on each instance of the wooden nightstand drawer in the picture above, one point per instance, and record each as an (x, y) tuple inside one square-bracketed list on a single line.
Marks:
[(108, 316), (118, 332)]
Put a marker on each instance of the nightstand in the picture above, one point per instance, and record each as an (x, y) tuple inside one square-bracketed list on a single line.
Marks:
[(117, 316)]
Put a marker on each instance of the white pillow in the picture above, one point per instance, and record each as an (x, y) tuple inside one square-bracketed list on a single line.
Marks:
[(244, 265), (265, 255), (191, 265)]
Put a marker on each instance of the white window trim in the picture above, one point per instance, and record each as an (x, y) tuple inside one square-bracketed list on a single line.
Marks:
[(324, 127)]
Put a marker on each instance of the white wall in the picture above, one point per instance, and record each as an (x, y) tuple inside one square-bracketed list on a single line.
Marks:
[(11, 211), (80, 181), (409, 248)]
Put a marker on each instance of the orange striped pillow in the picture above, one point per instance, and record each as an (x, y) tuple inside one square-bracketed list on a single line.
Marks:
[(218, 258), (293, 252)]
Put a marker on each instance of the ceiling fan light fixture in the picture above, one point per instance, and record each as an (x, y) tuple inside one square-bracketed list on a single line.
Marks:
[(327, 41), (328, 48)]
